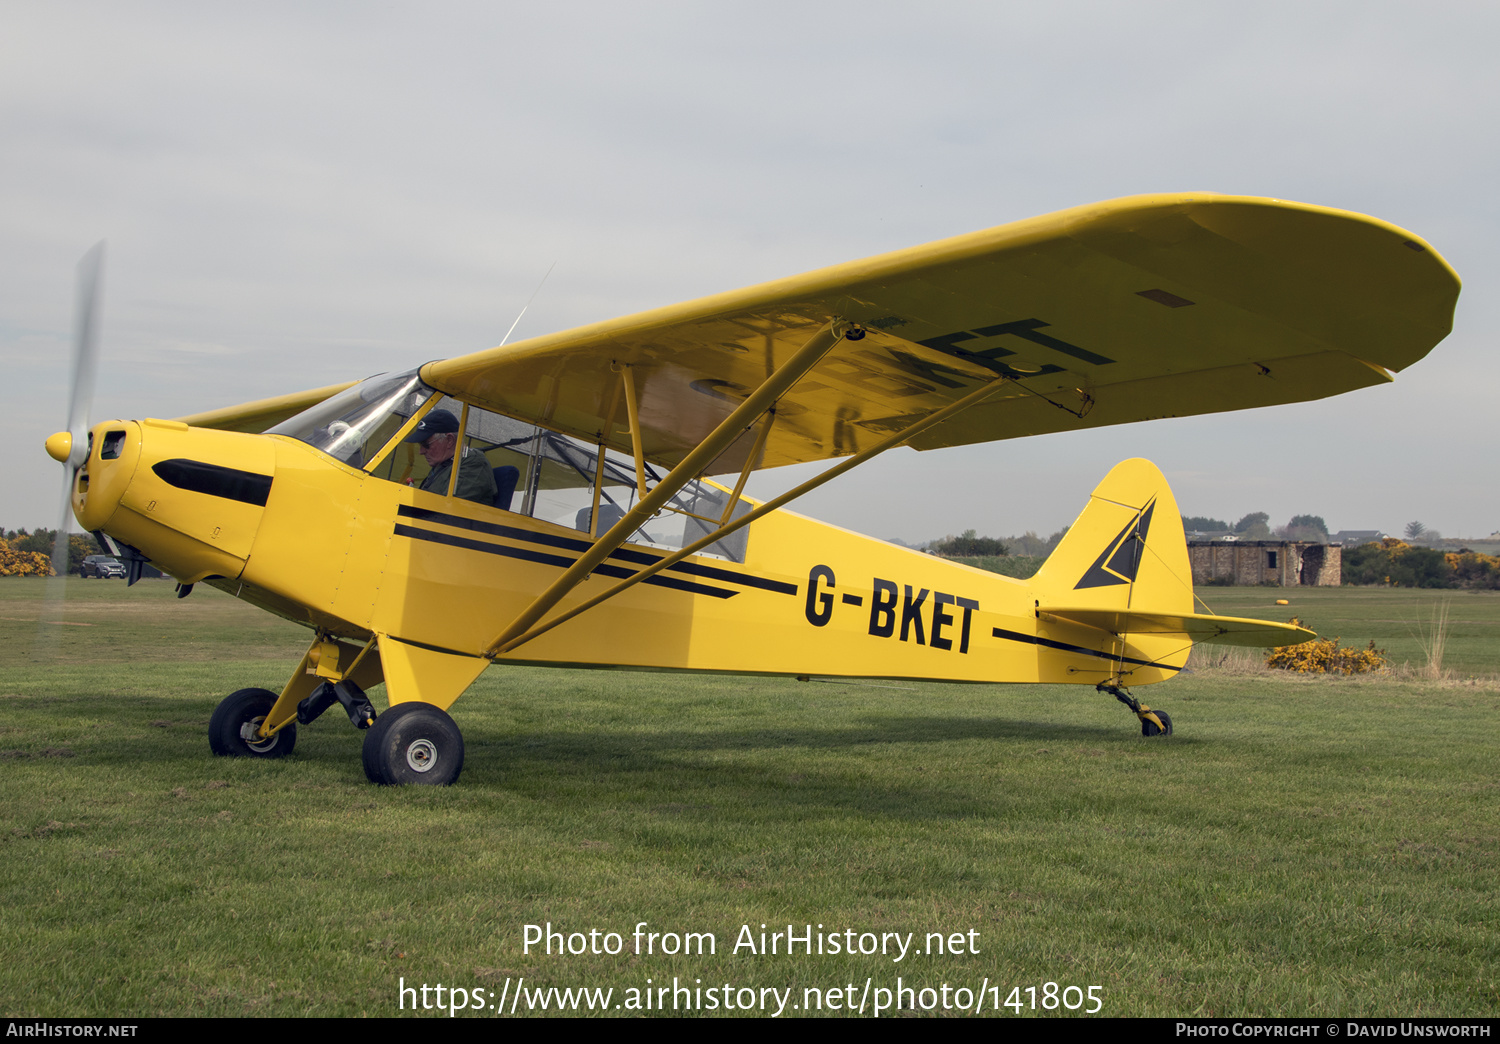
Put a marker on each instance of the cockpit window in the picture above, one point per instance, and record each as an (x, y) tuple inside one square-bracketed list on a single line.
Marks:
[(355, 424), (537, 472), (559, 479)]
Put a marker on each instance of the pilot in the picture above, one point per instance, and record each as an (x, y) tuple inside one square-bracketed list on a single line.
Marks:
[(437, 435)]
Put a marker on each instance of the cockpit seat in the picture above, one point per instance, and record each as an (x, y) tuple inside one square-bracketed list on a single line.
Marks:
[(506, 478)]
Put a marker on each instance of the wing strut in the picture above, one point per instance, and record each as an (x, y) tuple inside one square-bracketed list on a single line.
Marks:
[(634, 412), (505, 645), (693, 465)]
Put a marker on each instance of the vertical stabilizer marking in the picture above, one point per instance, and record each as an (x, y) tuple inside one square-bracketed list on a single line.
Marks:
[(1121, 559)]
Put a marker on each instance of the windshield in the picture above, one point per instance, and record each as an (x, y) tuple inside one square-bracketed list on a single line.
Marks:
[(357, 422)]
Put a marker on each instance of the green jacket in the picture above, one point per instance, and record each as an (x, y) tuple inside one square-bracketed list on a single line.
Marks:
[(476, 481)]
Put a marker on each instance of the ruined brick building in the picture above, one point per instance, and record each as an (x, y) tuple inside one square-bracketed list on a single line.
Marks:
[(1277, 563)]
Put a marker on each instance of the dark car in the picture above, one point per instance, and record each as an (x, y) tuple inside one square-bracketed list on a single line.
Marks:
[(101, 566)]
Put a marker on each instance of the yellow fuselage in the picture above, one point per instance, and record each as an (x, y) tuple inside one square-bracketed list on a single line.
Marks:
[(353, 557)]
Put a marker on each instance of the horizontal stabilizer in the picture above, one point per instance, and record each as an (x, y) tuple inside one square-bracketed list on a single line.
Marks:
[(1196, 627)]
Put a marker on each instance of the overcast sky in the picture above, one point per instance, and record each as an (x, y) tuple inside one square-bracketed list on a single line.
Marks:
[(306, 193)]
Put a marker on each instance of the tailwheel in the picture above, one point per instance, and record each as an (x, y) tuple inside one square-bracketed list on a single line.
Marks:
[(1153, 722), (235, 722), (1150, 728), (413, 743)]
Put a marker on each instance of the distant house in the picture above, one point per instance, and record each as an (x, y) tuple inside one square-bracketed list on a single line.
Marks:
[(1355, 537), (1212, 534), (1279, 563)]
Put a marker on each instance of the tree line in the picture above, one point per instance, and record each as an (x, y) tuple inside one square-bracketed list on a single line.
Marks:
[(1254, 526), (969, 544), (1390, 562), (1257, 526)]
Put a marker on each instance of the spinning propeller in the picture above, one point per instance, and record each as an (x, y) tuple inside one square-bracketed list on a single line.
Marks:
[(71, 447)]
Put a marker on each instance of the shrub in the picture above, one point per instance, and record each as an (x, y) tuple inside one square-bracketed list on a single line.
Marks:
[(23, 563), (969, 545), (1326, 656), (1475, 571), (1396, 563)]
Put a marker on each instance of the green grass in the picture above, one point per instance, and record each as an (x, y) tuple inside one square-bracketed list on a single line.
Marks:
[(1324, 847)]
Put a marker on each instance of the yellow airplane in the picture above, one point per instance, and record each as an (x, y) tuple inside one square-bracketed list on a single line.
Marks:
[(578, 527)]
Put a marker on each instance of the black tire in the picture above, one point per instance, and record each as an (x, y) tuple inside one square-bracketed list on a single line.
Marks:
[(1148, 727), (413, 743), (247, 707)]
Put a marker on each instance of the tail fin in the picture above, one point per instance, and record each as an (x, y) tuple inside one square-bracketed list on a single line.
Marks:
[(1126, 551), (1123, 571)]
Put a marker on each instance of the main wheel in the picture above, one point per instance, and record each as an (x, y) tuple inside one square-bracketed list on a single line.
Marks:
[(1148, 727), (413, 743), (231, 731)]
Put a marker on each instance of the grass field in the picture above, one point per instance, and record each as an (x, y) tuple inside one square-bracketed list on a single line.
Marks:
[(1300, 846)]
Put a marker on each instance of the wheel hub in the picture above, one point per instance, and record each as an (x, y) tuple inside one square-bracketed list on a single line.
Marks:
[(422, 755), (250, 733)]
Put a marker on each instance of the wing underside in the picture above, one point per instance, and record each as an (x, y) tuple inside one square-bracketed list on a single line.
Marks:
[(1135, 309)]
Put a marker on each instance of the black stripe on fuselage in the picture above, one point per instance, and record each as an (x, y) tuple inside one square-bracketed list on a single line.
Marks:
[(526, 554), (707, 572), (1031, 639)]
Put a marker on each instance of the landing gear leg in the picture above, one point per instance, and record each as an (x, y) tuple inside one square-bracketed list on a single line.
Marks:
[(1153, 723)]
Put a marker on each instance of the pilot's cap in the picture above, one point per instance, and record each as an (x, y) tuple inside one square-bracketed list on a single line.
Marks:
[(438, 422)]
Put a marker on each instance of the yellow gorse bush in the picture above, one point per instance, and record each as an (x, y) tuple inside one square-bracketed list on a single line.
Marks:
[(1472, 569), (1326, 656), (23, 563)]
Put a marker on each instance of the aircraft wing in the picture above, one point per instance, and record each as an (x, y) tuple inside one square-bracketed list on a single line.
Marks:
[(261, 414), (1195, 627), (1128, 310)]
